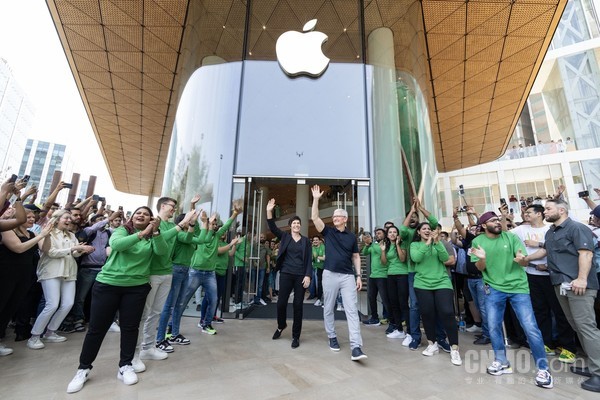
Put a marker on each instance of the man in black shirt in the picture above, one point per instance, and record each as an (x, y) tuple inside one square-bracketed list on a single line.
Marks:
[(341, 273)]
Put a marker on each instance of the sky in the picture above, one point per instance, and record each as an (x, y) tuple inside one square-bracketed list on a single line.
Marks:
[(30, 44)]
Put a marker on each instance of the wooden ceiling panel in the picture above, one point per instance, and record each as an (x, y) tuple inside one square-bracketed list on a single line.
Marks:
[(474, 60)]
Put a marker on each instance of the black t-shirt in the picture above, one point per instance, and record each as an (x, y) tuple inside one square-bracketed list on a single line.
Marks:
[(471, 268), (339, 248), (293, 262)]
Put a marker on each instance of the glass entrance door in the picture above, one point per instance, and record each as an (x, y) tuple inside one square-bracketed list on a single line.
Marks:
[(251, 284)]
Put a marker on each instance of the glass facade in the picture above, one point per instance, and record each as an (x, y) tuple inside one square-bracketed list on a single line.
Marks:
[(558, 135)]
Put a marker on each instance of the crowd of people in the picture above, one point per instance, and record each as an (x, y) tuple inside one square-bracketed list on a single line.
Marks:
[(523, 284)]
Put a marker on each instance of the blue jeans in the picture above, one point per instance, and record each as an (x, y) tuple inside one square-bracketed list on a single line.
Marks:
[(478, 293), (521, 304), (178, 285), (196, 278), (221, 281), (415, 315), (261, 280), (312, 289), (85, 280)]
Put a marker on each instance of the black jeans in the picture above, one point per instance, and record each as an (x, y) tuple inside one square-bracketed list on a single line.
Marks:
[(320, 284), (438, 304), (544, 302), (106, 301), (397, 293), (377, 286), (287, 283), (15, 282)]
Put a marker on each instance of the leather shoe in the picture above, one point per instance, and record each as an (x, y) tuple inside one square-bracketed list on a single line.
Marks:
[(295, 343), (592, 384), (277, 333), (583, 371)]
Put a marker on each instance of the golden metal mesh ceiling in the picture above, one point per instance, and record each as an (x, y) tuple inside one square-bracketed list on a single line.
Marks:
[(475, 61)]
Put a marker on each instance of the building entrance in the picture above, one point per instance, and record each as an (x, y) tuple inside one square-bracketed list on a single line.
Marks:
[(252, 281)]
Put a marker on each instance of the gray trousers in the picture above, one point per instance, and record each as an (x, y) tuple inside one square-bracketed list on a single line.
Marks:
[(333, 283), (579, 311)]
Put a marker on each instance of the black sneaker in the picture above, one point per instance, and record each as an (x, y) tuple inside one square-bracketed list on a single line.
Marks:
[(357, 354), (333, 344), (66, 328), (482, 340), (295, 343), (165, 346), (444, 345), (179, 339)]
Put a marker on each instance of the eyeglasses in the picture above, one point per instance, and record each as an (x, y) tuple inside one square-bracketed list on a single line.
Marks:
[(493, 220), (171, 204)]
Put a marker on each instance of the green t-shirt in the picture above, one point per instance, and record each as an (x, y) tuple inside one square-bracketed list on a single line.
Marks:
[(378, 270), (241, 253), (205, 256), (162, 265), (222, 260), (430, 271), (501, 271), (318, 251), (394, 265), (183, 249), (407, 235), (130, 257)]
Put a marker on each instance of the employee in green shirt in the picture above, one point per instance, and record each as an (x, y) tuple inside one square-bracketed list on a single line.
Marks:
[(433, 289), (122, 286)]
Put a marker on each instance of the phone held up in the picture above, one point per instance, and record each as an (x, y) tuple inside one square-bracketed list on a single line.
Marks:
[(583, 194)]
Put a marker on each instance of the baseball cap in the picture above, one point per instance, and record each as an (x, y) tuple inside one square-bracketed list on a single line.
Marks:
[(32, 207), (596, 212)]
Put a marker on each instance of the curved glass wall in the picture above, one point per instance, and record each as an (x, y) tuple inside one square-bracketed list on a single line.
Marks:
[(202, 150)]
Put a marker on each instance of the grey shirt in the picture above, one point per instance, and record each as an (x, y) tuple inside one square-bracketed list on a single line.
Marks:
[(562, 244)]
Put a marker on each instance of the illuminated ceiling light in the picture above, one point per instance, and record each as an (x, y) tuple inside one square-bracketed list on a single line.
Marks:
[(223, 26), (357, 56), (250, 53), (264, 27), (344, 29)]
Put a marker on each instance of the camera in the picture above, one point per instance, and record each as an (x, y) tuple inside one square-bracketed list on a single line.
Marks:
[(68, 185), (95, 197), (583, 194), (461, 190)]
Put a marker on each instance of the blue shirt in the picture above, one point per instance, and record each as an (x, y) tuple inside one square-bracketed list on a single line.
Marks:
[(339, 248)]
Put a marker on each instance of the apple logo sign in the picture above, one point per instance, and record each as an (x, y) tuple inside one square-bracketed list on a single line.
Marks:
[(300, 53)]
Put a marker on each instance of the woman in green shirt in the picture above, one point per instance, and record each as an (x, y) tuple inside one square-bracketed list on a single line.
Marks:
[(393, 258), (122, 286), (434, 289)]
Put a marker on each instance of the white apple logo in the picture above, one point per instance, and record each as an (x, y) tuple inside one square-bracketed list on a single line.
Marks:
[(300, 53)]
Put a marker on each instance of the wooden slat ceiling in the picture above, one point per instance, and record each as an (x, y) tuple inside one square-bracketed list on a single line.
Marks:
[(475, 61)]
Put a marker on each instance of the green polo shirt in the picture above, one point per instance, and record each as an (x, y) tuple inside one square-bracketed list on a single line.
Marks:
[(318, 251), (407, 234), (428, 261), (205, 256), (378, 270)]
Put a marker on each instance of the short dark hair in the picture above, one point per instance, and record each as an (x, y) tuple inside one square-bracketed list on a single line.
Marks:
[(163, 200), (294, 218), (538, 208)]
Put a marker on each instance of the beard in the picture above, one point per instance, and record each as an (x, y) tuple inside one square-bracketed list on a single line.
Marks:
[(552, 218)]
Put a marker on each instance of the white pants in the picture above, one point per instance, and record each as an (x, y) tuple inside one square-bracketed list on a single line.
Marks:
[(57, 292), (161, 285)]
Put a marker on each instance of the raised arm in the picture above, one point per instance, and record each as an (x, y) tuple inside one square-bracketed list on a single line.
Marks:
[(314, 216)]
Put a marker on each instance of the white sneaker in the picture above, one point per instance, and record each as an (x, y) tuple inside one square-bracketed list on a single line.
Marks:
[(127, 375), (474, 329), (54, 338), (114, 328), (455, 356), (431, 349), (396, 334), (138, 365), (340, 307), (407, 341), (4, 351), (264, 303), (78, 380), (152, 354), (35, 343), (318, 303)]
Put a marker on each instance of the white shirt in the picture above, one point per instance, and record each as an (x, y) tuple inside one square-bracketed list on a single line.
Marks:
[(527, 232)]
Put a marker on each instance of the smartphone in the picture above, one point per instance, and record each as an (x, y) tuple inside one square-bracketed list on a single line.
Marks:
[(95, 197), (102, 199), (13, 178), (512, 211), (583, 194), (68, 185), (502, 201), (523, 203), (108, 206), (461, 190), (26, 178), (120, 208)]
